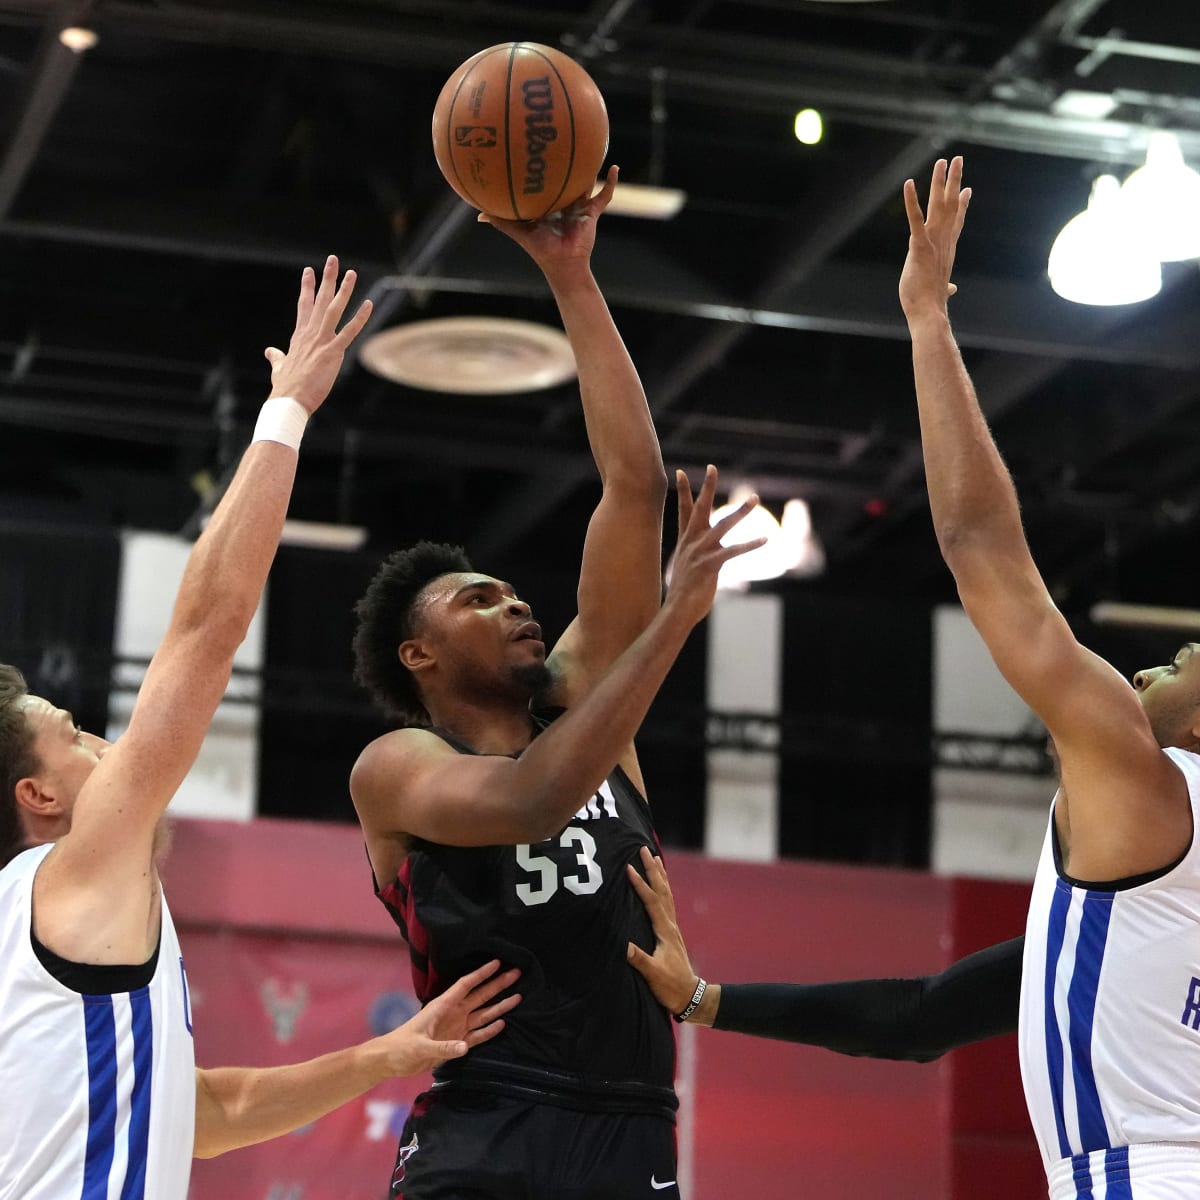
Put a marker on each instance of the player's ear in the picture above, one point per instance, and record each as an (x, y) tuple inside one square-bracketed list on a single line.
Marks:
[(415, 655), (34, 799)]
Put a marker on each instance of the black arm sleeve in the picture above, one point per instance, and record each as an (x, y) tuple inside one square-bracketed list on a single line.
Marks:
[(915, 1019)]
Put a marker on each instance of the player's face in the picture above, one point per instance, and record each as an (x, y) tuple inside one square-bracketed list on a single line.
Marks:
[(479, 628), (66, 753), (1170, 694)]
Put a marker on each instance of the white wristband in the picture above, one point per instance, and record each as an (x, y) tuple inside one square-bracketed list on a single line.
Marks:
[(281, 419)]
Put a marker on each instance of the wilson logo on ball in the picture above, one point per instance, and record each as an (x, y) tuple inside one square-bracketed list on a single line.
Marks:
[(539, 131), (520, 131)]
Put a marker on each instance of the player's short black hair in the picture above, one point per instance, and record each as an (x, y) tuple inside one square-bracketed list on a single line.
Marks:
[(385, 619), (17, 758)]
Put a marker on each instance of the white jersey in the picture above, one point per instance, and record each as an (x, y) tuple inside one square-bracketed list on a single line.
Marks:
[(1110, 1025), (97, 1092)]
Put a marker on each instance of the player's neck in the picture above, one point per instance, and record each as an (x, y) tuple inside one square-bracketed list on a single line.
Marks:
[(495, 728)]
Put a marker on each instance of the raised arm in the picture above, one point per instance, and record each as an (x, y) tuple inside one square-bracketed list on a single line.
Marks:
[(917, 1019), (1124, 803), (410, 781), (620, 579), (240, 1106), (96, 892)]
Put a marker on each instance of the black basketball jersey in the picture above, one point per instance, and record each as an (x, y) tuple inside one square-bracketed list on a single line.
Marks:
[(563, 910)]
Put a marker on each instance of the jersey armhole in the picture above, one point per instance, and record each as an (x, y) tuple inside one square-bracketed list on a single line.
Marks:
[(1113, 885), (90, 979)]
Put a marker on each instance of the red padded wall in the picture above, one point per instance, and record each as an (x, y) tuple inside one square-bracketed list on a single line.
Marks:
[(290, 955)]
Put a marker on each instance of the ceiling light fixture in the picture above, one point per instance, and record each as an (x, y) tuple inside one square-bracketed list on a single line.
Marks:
[(78, 38), (1101, 257), (471, 355), (315, 535), (645, 200), (792, 547), (1163, 197), (808, 126)]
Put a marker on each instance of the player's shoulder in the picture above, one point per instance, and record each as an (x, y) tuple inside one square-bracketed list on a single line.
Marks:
[(400, 749)]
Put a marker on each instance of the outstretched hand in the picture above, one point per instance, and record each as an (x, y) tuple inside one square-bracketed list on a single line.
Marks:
[(561, 237), (463, 1016), (699, 554), (314, 355), (668, 970), (933, 239)]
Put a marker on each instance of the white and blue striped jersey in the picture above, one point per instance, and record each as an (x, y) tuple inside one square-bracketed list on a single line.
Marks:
[(97, 1092), (1110, 1025)]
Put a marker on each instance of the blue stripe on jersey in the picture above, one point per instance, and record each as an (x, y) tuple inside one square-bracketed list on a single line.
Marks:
[(1081, 1005), (1116, 1174), (1059, 907), (1081, 1172), (100, 1029), (139, 1115)]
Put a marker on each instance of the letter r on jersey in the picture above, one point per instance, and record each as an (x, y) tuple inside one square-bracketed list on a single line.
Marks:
[(1191, 1011)]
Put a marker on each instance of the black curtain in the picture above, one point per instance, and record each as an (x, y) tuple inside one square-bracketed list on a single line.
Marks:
[(58, 597)]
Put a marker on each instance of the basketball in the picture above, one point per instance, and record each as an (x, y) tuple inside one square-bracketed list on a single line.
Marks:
[(520, 130)]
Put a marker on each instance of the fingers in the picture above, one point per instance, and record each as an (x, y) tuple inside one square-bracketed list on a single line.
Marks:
[(273, 355), (337, 303), (937, 190), (657, 875), (683, 492), (483, 983), (953, 184), (478, 1036), (445, 1050), (964, 199), (740, 548), (726, 523), (356, 324), (912, 208), (638, 959), (328, 286), (701, 511), (485, 1016), (645, 892), (304, 304), (600, 201)]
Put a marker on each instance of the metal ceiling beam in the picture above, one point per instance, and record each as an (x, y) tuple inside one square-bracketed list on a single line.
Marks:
[(844, 214), (50, 75)]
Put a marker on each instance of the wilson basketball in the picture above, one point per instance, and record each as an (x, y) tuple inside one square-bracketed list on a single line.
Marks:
[(520, 130)]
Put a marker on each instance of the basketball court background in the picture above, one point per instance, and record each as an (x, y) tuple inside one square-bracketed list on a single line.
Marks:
[(320, 966)]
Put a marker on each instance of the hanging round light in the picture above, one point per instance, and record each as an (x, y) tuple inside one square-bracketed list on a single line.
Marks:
[(791, 548), (1101, 256), (1164, 198)]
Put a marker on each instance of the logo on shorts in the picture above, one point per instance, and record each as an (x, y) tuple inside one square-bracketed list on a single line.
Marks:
[(406, 1152), (475, 135), (659, 1187)]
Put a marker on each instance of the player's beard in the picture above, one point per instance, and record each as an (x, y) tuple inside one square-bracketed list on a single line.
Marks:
[(533, 678)]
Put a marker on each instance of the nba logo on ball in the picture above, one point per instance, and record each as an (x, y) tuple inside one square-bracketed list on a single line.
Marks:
[(479, 136), (520, 130)]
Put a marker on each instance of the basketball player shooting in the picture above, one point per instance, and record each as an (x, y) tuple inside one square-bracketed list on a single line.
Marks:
[(496, 832), (1110, 1001), (100, 1094)]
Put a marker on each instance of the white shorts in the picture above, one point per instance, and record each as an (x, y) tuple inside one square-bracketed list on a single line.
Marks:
[(1148, 1171)]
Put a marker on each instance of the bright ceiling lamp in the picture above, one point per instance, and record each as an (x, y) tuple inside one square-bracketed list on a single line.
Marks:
[(792, 547), (808, 126), (645, 200), (1101, 257), (1163, 197)]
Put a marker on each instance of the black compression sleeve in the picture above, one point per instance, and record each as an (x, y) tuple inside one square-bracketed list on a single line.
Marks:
[(917, 1019)]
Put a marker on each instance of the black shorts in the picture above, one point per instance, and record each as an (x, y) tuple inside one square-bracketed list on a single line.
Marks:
[(467, 1145)]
